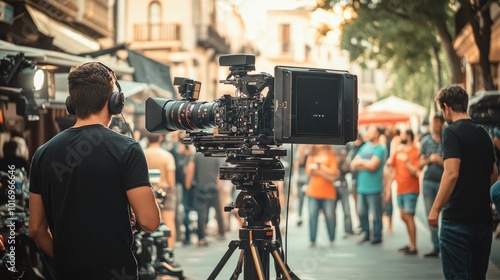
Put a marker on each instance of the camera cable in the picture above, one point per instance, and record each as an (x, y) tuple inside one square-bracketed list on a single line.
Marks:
[(285, 247)]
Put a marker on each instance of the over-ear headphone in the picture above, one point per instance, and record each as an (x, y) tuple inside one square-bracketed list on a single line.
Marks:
[(116, 100)]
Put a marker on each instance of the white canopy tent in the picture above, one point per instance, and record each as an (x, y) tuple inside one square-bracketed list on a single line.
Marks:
[(396, 105)]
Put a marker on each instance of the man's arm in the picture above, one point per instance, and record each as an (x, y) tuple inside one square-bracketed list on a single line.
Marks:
[(494, 174), (412, 166), (170, 170), (370, 165), (423, 161), (171, 178), (189, 174), (38, 225), (143, 203), (448, 181)]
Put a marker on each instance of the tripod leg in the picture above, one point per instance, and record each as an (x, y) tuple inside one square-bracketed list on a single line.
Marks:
[(232, 246), (257, 262), (284, 269), (239, 265)]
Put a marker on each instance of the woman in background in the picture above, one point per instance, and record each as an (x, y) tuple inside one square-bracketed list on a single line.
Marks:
[(322, 167)]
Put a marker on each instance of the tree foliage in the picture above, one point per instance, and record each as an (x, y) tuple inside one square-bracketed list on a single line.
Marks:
[(409, 39), (400, 35)]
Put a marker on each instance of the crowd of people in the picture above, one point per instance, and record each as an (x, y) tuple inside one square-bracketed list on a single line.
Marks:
[(364, 172)]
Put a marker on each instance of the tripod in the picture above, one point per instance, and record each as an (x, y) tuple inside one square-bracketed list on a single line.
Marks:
[(256, 238)]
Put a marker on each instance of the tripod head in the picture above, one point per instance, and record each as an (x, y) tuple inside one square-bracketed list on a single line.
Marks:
[(252, 169)]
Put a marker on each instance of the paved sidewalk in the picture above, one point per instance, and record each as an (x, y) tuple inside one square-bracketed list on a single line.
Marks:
[(346, 260)]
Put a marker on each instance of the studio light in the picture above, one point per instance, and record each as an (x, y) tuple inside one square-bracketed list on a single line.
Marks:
[(19, 72), (29, 78), (20, 82)]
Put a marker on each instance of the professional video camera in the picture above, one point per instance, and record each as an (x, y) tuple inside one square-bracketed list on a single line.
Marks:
[(301, 105), (312, 106)]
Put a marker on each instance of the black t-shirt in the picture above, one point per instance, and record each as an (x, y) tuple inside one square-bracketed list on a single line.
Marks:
[(470, 200), (82, 175)]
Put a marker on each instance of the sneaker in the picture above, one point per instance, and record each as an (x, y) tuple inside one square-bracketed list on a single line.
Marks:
[(365, 239), (202, 243), (375, 242), (433, 254), (347, 235), (404, 249), (411, 252), (220, 237)]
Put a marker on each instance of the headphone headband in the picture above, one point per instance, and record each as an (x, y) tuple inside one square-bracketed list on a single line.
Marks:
[(116, 100)]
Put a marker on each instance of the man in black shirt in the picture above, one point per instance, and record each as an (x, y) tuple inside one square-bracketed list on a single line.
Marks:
[(85, 180), (464, 191)]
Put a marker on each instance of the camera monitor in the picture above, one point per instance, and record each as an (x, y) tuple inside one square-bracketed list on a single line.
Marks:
[(315, 106)]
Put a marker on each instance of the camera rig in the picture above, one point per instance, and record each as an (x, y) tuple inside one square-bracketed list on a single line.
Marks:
[(313, 106)]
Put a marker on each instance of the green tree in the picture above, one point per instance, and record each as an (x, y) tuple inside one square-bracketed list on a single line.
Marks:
[(407, 36)]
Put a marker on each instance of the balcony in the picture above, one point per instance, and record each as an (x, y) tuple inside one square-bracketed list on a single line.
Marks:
[(157, 36), (208, 37)]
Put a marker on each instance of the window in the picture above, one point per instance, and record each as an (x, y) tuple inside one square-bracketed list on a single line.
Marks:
[(154, 20), (284, 30)]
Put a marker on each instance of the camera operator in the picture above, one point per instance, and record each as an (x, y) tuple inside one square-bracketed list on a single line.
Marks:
[(84, 182)]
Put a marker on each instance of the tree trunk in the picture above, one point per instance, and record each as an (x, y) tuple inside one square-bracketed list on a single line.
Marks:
[(439, 76), (453, 59), (482, 36)]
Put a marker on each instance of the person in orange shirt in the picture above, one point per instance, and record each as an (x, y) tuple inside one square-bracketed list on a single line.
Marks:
[(322, 167), (404, 164)]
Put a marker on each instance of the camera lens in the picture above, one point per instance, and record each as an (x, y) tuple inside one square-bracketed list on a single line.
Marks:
[(189, 115)]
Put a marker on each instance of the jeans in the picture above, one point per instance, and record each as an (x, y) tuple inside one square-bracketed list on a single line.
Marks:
[(370, 203), (187, 202), (202, 199), (343, 196), (328, 206), (301, 186), (465, 249), (429, 190)]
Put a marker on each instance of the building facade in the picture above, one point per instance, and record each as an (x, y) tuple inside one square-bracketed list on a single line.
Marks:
[(189, 36)]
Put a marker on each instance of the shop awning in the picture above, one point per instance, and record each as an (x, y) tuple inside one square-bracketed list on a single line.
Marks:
[(65, 37), (147, 70), (150, 71), (62, 61)]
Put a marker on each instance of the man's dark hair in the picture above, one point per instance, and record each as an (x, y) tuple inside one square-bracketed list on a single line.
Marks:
[(380, 130), (90, 86), (453, 96), (152, 137), (439, 117), (410, 133)]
